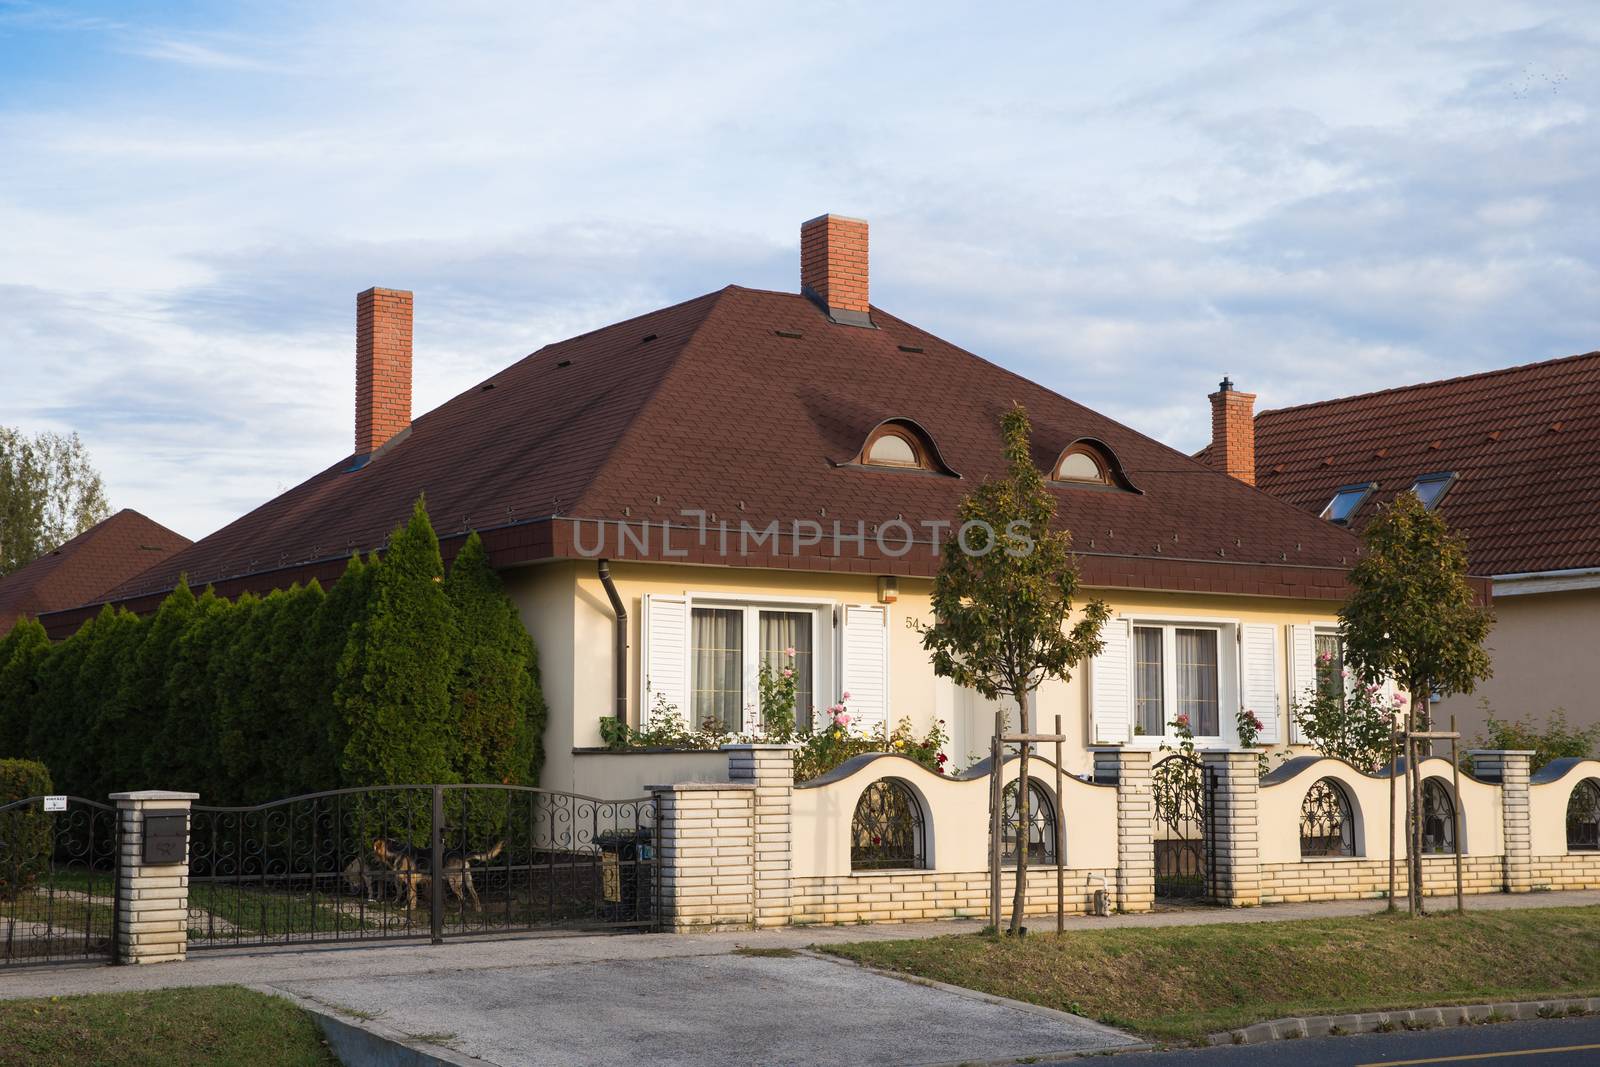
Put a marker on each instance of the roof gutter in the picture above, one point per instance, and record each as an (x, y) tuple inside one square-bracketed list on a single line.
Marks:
[(1562, 581), (621, 651)]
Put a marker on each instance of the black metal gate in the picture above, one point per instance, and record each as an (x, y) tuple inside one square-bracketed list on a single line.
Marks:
[(1184, 790), (419, 861), (58, 877)]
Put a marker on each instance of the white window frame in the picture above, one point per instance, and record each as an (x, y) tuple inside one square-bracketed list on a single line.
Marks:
[(1228, 679), (822, 649)]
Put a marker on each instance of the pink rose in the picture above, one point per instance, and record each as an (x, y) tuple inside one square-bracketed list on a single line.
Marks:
[(788, 672), (842, 720), (789, 652), (843, 697)]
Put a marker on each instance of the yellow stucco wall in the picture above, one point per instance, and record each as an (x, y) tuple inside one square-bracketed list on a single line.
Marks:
[(566, 609), (1542, 648)]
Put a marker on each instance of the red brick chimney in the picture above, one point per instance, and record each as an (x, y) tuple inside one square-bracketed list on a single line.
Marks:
[(833, 267), (1233, 433), (383, 367)]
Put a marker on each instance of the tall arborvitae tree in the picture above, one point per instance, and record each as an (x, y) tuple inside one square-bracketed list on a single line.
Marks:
[(336, 625), (22, 651), (185, 752), (297, 741), (496, 704), (394, 689), (103, 706), (144, 690), (247, 700)]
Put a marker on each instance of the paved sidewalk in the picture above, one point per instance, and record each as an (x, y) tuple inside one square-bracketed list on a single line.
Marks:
[(357, 960)]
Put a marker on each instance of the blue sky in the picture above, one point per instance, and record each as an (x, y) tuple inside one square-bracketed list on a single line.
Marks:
[(1123, 202)]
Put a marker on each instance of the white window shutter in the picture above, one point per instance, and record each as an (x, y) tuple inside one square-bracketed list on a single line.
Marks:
[(664, 633), (1302, 672), (1258, 689), (864, 664), (1111, 687)]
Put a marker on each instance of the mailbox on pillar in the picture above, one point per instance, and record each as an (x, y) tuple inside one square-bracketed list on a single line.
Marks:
[(166, 836)]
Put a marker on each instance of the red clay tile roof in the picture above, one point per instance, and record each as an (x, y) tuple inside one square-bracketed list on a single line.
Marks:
[(87, 567), (708, 405), (1524, 441)]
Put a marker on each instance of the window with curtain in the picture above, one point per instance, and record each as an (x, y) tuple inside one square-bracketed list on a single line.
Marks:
[(718, 652), (1149, 673), (782, 630), (1197, 680), (1330, 665)]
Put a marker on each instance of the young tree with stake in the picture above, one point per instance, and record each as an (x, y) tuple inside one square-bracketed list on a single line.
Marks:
[(1002, 603), (1413, 616)]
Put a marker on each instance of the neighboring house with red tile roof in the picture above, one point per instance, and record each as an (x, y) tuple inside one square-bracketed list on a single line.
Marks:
[(762, 470), (86, 568), (1508, 457)]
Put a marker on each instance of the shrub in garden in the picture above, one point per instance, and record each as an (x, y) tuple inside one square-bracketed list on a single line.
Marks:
[(1555, 740), (1352, 721), (25, 837)]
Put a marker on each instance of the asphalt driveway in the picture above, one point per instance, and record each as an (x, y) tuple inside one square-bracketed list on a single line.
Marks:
[(702, 1010)]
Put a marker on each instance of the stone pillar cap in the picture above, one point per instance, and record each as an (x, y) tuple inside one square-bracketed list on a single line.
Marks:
[(154, 794)]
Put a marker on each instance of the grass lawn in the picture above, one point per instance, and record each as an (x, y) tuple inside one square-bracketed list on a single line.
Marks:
[(225, 1025), (1183, 982)]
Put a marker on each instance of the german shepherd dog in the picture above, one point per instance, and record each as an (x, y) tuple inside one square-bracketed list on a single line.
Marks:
[(410, 868)]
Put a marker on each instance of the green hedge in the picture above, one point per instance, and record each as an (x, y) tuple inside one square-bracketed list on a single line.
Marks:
[(24, 832), (397, 674)]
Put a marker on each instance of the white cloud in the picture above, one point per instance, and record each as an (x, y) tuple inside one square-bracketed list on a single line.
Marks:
[(1124, 204)]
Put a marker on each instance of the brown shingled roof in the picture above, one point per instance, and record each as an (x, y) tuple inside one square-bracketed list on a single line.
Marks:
[(709, 405), (87, 567), (1524, 441)]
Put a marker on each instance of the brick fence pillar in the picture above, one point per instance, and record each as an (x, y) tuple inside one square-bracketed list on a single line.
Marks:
[(705, 854), (1235, 843), (1511, 769), (152, 895), (1129, 768), (770, 768)]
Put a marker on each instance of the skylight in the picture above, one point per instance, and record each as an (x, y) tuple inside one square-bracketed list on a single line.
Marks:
[(1346, 501), (1430, 488)]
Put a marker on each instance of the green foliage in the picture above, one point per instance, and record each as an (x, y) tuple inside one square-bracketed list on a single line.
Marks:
[(1412, 615), (1555, 740), (21, 652), (495, 701), (394, 675), (1002, 601), (394, 689), (49, 493), (778, 689), (24, 832), (1352, 722)]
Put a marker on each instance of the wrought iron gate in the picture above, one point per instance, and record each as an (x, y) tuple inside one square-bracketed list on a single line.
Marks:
[(58, 876), (419, 861), (1184, 790)]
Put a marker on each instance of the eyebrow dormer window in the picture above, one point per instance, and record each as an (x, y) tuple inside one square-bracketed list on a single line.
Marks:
[(1081, 463), (892, 448), (1430, 488), (1346, 501), (900, 444)]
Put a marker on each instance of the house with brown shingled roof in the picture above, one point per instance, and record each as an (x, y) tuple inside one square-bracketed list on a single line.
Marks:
[(1508, 458), (675, 499), (86, 568)]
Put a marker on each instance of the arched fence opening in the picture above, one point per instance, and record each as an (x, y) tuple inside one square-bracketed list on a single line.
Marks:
[(1327, 821), (887, 829), (1041, 833), (1438, 818), (1583, 817)]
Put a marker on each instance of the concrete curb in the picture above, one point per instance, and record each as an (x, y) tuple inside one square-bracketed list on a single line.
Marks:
[(1122, 1040), (1409, 1019), (369, 1042)]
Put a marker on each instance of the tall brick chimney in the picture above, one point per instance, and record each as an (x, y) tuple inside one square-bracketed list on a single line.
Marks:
[(833, 267), (383, 367), (1233, 432)]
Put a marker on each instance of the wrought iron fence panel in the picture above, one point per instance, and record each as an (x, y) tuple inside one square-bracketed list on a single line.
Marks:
[(1178, 785), (1041, 832), (58, 874), (886, 832), (518, 858), (1327, 825), (309, 868)]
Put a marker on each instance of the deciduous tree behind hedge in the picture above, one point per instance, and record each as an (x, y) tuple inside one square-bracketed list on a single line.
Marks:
[(395, 675)]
